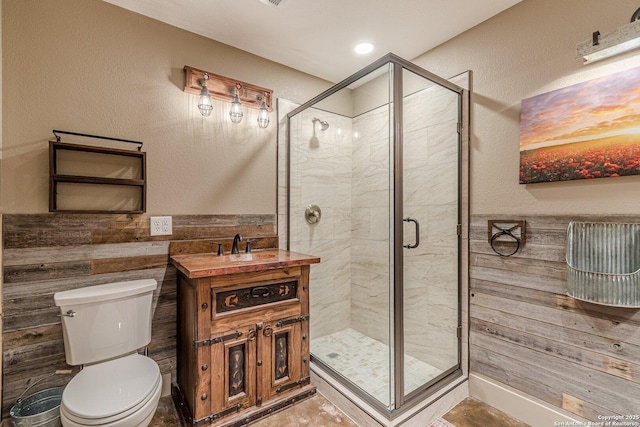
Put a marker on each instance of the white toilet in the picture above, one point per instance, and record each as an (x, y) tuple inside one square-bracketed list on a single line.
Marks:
[(103, 327)]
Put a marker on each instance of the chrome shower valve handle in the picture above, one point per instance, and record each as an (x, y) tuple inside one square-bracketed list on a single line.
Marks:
[(312, 214)]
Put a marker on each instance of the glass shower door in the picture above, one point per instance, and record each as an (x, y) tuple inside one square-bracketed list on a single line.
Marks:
[(377, 158), (342, 164), (430, 237)]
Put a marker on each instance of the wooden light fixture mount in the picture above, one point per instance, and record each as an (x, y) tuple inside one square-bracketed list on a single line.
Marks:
[(223, 88)]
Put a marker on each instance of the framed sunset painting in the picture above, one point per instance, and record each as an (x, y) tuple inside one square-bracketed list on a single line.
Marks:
[(588, 130)]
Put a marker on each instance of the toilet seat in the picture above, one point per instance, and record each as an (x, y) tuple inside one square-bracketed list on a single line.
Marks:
[(140, 417), (123, 391)]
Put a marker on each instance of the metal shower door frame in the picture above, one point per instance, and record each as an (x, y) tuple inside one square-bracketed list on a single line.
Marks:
[(401, 402)]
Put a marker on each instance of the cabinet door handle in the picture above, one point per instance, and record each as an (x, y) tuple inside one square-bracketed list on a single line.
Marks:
[(261, 292), (251, 335), (268, 331)]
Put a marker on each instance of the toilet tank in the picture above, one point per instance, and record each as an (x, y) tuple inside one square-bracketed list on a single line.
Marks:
[(106, 321)]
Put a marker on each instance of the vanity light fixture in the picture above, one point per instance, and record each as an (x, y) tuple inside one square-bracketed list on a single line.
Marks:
[(620, 40), (204, 103), (263, 114), (235, 112), (241, 95)]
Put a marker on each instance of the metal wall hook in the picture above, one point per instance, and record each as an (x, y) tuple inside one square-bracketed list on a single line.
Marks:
[(506, 232)]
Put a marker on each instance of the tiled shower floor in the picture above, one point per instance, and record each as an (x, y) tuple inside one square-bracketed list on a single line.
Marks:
[(365, 362)]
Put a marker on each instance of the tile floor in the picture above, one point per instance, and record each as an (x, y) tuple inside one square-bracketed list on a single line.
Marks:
[(473, 413), (319, 412), (372, 374)]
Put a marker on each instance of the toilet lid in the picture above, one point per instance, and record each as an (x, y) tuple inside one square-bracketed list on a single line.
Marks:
[(110, 388)]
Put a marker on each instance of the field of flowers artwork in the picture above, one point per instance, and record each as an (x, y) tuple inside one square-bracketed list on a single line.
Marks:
[(588, 130)]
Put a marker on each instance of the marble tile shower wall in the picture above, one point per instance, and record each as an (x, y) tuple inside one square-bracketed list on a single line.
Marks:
[(431, 189), (430, 178), (321, 175), (346, 171), (371, 227)]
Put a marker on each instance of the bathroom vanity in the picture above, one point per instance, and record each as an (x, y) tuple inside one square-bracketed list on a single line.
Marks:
[(243, 335)]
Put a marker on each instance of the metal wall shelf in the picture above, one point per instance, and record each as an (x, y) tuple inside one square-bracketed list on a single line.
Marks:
[(55, 178)]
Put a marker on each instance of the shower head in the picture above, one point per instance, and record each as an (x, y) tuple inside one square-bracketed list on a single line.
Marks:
[(320, 124)]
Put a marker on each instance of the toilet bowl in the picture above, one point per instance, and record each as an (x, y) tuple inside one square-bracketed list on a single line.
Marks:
[(103, 327), (122, 392)]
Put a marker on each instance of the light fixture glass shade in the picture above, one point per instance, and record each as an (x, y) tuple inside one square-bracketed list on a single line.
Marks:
[(618, 41), (263, 116), (204, 103), (235, 113)]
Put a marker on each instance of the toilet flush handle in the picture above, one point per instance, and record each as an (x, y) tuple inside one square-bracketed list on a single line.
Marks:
[(69, 313)]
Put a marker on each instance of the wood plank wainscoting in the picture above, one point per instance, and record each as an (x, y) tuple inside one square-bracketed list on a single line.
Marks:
[(47, 253), (526, 333)]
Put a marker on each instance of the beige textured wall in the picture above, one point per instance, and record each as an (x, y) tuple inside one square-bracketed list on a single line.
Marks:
[(88, 66), (527, 50)]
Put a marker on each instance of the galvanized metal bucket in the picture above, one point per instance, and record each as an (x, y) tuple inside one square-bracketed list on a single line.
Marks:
[(603, 263), (41, 409)]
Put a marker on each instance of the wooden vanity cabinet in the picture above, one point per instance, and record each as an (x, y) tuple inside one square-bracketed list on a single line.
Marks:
[(243, 345)]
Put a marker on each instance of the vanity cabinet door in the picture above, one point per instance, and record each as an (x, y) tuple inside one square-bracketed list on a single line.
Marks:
[(233, 372), (282, 361)]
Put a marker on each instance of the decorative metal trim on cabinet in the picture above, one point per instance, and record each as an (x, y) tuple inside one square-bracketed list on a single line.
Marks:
[(231, 300), (56, 178)]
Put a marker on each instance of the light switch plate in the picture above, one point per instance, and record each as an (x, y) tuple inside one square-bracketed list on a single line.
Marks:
[(160, 226)]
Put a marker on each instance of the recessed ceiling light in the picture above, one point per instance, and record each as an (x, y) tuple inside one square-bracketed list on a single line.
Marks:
[(363, 48)]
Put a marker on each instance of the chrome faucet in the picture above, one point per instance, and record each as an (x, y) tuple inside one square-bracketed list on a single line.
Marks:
[(234, 248)]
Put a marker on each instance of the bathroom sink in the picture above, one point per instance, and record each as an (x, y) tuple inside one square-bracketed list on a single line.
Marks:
[(250, 257), (210, 264)]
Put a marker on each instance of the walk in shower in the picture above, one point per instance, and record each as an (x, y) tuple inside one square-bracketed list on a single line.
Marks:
[(373, 177)]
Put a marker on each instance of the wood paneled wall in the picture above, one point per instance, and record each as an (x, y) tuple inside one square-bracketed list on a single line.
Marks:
[(47, 253), (525, 331)]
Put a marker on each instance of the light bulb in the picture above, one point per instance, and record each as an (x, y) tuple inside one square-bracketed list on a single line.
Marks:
[(263, 115), (204, 103), (235, 113)]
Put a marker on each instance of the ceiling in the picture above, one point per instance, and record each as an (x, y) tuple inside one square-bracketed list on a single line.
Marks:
[(318, 36)]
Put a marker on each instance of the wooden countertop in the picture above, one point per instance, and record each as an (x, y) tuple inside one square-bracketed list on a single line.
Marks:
[(210, 264)]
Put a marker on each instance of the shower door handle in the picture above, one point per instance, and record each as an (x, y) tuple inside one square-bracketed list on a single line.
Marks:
[(415, 221)]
